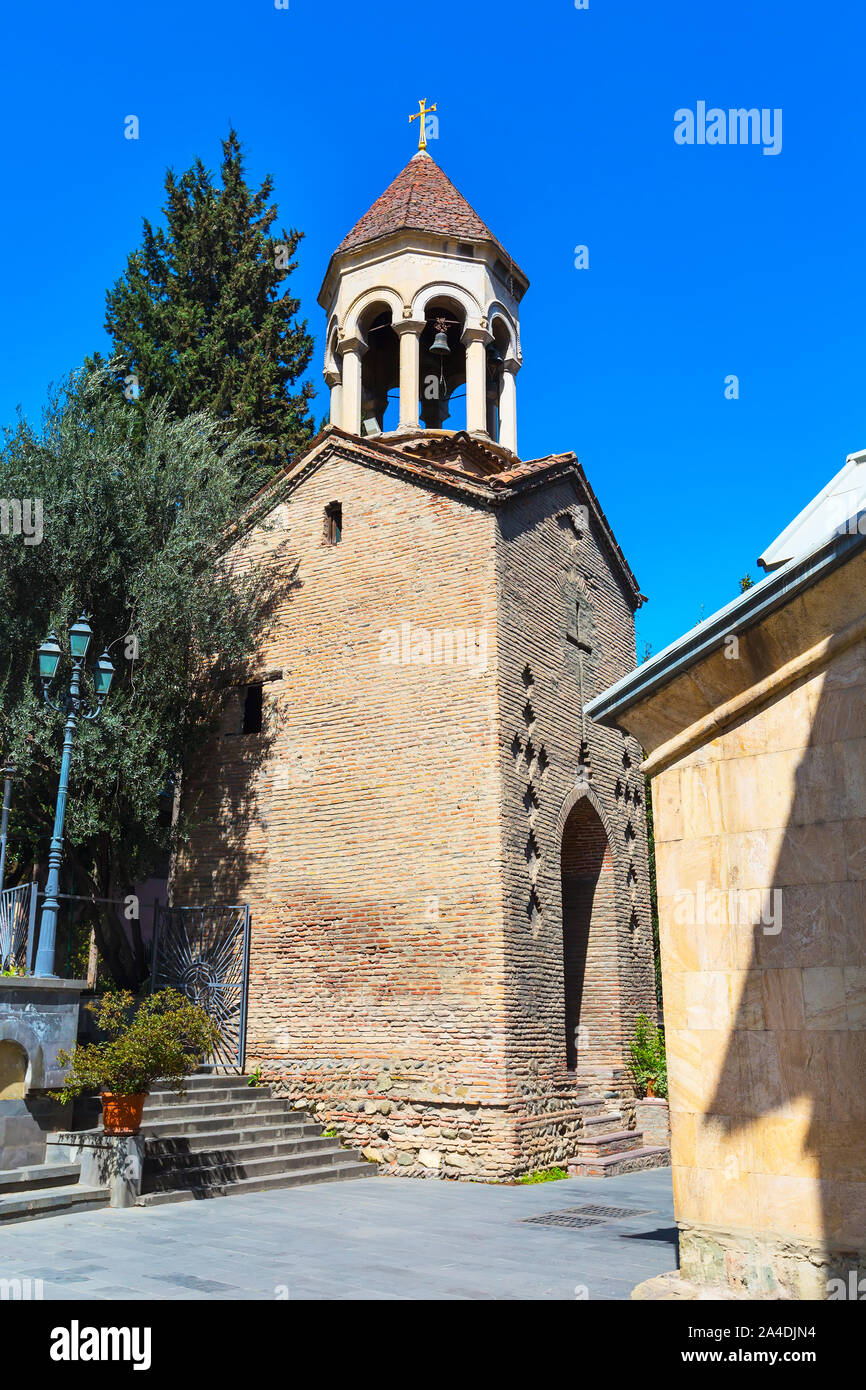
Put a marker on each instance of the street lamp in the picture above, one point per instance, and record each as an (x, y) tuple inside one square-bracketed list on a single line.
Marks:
[(8, 772), (49, 654)]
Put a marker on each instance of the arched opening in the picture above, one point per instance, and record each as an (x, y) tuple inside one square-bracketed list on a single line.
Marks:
[(589, 948), (443, 369), (497, 351), (380, 373), (13, 1071)]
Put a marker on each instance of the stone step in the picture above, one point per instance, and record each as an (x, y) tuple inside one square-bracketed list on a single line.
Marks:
[(204, 1110), (207, 1172), (611, 1141), (39, 1175), (210, 1078), (609, 1119), (613, 1165), (50, 1201), (200, 1095), (212, 1124), (239, 1155), (348, 1168), (229, 1138)]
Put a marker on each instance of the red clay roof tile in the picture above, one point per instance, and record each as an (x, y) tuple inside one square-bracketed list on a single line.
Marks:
[(421, 198)]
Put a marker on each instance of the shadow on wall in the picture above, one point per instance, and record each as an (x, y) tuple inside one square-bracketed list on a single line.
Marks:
[(792, 1087), (222, 808)]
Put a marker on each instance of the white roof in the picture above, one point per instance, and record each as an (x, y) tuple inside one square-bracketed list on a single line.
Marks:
[(830, 512)]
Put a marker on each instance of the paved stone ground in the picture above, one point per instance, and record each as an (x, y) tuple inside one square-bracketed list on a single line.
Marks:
[(381, 1238)]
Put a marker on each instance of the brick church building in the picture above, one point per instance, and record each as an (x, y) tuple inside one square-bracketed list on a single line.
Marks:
[(446, 861)]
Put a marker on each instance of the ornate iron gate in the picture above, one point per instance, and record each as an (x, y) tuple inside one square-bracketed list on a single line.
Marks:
[(205, 952), (17, 927)]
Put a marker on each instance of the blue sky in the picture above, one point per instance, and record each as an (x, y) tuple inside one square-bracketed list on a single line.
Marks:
[(558, 125)]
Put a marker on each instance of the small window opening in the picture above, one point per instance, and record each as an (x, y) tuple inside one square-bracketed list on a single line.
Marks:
[(252, 722), (333, 523)]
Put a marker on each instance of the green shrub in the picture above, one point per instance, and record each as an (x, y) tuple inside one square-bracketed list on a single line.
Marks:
[(648, 1064), (545, 1175), (164, 1040)]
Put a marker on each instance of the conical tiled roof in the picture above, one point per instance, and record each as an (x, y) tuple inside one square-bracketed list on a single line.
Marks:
[(421, 198)]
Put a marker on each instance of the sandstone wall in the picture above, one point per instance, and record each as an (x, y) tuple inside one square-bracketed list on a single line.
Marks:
[(765, 996)]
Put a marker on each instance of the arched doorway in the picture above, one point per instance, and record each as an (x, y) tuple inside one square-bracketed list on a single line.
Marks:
[(13, 1071), (589, 942)]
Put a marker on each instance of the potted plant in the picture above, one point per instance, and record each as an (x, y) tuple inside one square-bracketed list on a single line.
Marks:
[(648, 1063), (163, 1039)]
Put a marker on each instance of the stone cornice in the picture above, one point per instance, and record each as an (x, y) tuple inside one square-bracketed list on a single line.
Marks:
[(745, 612), (770, 688)]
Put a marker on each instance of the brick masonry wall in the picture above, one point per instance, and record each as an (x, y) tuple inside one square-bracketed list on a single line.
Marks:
[(363, 824), (379, 824), (548, 561)]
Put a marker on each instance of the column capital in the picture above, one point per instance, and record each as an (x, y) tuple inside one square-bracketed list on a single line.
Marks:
[(512, 365), (332, 377), (355, 343), (475, 333), (416, 326)]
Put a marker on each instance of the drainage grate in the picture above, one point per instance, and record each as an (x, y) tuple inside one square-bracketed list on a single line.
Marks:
[(581, 1217), (607, 1213), (562, 1218)]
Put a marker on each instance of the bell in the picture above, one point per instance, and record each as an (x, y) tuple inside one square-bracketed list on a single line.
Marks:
[(440, 344)]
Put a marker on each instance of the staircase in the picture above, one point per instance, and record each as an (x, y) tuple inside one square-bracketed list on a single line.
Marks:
[(223, 1136), (46, 1189), (607, 1148)]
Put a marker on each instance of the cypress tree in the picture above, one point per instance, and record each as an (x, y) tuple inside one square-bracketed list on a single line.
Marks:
[(198, 317)]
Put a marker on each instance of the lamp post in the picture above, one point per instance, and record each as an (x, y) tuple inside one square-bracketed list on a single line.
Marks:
[(8, 774), (50, 653)]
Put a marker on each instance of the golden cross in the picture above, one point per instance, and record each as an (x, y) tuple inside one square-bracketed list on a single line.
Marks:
[(421, 116)]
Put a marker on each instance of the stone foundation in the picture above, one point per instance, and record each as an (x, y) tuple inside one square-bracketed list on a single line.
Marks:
[(414, 1127), (748, 1264)]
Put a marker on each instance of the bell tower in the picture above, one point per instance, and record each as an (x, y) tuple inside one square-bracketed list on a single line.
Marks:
[(423, 313)]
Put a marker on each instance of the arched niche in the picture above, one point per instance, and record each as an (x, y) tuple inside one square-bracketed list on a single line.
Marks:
[(589, 940), (14, 1065)]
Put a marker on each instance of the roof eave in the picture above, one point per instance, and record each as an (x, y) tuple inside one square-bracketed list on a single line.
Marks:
[(341, 258), (744, 612)]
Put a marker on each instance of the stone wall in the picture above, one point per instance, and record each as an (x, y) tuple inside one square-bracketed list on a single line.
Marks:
[(761, 852), (38, 1018)]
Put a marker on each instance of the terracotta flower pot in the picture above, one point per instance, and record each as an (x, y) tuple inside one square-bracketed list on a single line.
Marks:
[(651, 1086), (122, 1114)]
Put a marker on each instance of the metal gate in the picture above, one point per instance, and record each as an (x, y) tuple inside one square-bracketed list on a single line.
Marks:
[(205, 952), (17, 927)]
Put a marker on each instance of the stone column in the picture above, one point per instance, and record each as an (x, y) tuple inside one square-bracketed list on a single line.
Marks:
[(476, 340), (508, 405), (409, 332), (352, 350), (335, 382)]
